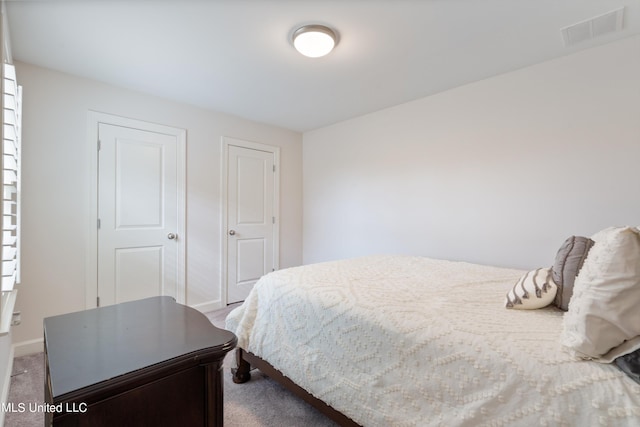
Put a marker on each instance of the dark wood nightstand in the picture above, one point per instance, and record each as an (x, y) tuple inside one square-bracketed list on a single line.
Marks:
[(151, 362)]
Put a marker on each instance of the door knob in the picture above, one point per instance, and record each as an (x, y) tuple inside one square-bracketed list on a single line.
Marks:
[(232, 232), (171, 236)]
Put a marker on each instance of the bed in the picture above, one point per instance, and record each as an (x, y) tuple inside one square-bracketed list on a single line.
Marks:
[(413, 341)]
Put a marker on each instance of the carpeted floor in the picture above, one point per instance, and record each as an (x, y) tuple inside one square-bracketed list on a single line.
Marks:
[(259, 403)]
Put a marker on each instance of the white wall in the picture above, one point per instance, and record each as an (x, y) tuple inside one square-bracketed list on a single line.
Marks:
[(56, 188), (6, 367), (500, 171)]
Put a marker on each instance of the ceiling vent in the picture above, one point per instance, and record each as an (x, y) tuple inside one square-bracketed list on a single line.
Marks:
[(595, 27)]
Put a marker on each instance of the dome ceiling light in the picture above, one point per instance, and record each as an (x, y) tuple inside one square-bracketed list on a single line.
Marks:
[(314, 41)]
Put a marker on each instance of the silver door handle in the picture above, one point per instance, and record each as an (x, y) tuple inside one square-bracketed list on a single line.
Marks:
[(232, 232), (171, 236)]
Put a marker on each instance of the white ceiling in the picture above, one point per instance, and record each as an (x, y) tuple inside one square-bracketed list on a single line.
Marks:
[(235, 56)]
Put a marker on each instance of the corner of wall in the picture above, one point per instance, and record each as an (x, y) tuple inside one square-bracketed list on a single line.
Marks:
[(6, 367)]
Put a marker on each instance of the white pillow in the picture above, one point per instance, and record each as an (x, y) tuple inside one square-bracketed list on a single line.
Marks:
[(603, 321), (603, 233), (536, 289)]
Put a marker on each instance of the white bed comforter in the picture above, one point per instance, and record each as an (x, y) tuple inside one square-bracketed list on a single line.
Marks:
[(411, 341)]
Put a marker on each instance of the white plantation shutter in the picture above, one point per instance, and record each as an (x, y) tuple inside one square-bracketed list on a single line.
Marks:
[(12, 99)]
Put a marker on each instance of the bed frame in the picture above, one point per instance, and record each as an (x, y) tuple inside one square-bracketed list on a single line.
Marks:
[(242, 373)]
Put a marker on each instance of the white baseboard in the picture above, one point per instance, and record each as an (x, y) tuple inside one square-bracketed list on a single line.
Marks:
[(209, 306), (25, 348)]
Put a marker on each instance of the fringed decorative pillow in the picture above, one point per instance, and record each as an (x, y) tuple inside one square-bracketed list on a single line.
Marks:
[(536, 289)]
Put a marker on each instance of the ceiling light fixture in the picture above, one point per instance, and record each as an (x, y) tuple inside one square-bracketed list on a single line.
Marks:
[(314, 41)]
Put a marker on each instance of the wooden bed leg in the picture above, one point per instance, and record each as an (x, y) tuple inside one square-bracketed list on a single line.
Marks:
[(242, 373)]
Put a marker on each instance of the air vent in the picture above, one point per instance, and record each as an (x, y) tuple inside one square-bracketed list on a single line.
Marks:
[(595, 27)]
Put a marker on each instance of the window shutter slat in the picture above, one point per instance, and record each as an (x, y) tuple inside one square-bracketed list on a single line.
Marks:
[(12, 99)]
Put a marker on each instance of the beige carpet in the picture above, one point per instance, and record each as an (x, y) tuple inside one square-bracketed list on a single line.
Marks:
[(259, 403)]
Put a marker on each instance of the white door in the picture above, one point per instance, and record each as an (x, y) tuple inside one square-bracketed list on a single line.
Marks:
[(137, 214), (251, 217)]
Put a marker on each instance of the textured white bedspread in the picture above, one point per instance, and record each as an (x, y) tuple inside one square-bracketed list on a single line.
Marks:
[(411, 341)]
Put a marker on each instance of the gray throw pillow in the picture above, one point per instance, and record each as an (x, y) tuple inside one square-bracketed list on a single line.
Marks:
[(568, 263)]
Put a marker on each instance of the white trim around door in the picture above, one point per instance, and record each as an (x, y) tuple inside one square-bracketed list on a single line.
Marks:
[(94, 119)]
